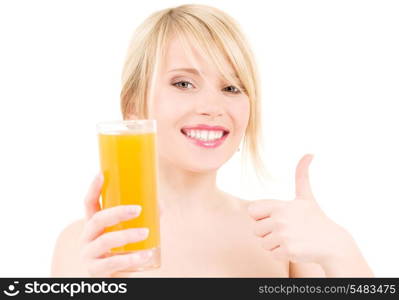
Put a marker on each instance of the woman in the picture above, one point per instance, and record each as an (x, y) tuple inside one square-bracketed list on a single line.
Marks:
[(190, 68)]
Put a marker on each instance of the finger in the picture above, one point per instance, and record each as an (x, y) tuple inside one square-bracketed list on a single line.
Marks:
[(108, 217), (110, 240), (303, 189), (263, 227), (260, 209), (92, 204), (270, 241), (105, 267)]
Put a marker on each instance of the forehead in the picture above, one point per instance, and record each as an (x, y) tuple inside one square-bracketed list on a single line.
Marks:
[(178, 56)]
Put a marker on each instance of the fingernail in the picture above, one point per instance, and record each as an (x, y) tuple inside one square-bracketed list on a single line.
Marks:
[(136, 256), (134, 210), (143, 232), (146, 254), (100, 177)]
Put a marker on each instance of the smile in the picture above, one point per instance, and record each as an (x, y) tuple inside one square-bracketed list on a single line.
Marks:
[(205, 138)]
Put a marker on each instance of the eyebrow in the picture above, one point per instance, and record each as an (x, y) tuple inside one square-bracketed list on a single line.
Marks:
[(193, 71), (188, 70)]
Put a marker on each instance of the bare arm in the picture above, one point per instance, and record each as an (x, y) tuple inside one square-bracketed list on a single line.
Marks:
[(65, 261), (348, 263)]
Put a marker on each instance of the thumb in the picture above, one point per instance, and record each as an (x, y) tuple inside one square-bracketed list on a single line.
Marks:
[(303, 189)]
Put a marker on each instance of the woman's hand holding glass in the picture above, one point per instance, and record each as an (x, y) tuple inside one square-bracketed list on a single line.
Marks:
[(95, 251)]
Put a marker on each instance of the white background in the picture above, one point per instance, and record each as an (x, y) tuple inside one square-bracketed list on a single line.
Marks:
[(330, 84)]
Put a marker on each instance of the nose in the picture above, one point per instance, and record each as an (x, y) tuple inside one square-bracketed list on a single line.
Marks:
[(210, 105)]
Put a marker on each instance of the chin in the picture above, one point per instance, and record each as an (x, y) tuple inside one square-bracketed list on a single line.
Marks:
[(204, 164), (193, 158), (194, 169)]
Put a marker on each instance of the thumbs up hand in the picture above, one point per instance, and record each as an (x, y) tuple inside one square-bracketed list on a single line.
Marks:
[(298, 230)]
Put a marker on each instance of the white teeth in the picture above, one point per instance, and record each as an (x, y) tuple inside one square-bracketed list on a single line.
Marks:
[(204, 135)]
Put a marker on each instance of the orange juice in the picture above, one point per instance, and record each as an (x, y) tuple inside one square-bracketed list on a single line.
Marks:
[(128, 161)]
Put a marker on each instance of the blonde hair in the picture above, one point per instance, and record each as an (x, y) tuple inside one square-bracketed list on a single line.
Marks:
[(216, 35)]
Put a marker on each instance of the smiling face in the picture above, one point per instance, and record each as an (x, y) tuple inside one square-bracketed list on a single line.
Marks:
[(188, 91)]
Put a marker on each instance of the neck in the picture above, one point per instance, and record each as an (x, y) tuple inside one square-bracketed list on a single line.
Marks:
[(186, 190)]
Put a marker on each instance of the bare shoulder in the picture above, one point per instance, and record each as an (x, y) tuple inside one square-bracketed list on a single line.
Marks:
[(243, 203), (65, 260)]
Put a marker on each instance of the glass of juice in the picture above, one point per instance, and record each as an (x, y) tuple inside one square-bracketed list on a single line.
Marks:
[(128, 159)]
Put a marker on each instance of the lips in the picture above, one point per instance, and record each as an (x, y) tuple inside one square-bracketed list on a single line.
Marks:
[(205, 127), (187, 131), (207, 144), (184, 131), (185, 134)]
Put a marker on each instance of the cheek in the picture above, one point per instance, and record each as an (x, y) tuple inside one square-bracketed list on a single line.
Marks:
[(167, 105), (240, 112), (168, 111)]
